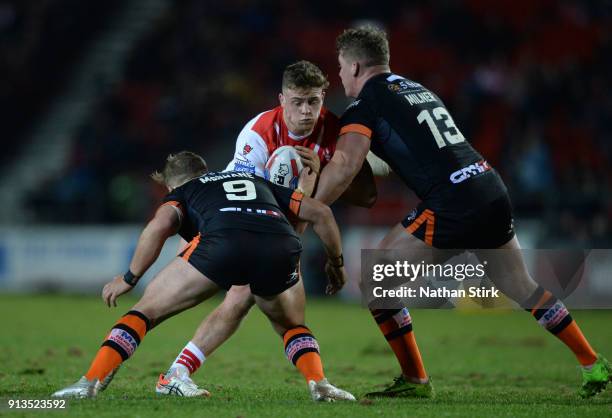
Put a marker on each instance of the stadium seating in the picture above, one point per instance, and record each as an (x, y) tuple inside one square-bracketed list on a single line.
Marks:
[(525, 87)]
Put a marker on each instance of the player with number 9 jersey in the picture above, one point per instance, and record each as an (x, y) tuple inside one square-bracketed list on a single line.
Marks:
[(210, 207), (232, 200)]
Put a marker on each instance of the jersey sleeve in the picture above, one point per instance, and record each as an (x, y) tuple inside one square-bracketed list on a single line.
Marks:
[(358, 118), (251, 152), (176, 200), (289, 201), (187, 229)]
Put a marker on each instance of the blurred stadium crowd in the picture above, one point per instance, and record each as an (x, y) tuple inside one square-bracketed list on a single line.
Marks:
[(528, 83), (35, 50)]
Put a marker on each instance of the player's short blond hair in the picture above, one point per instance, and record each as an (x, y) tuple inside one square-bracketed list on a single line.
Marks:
[(367, 44), (304, 75), (179, 168)]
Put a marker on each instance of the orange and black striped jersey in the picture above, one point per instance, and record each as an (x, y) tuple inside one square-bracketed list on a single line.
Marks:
[(233, 200), (413, 132)]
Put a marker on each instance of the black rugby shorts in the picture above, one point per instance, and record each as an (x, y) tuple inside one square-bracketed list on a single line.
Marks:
[(266, 262), (486, 227)]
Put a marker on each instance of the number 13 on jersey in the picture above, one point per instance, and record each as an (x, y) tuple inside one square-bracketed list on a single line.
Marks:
[(450, 131)]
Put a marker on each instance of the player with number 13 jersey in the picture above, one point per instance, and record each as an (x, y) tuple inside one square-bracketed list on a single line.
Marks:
[(411, 130)]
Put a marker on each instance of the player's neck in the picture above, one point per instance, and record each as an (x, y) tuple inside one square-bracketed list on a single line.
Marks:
[(369, 72)]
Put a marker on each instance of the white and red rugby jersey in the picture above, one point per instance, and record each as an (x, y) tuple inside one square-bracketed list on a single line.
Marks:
[(267, 131)]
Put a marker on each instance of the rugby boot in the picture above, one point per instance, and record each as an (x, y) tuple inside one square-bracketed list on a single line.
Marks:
[(595, 379), (83, 388), (175, 383), (323, 391), (401, 388)]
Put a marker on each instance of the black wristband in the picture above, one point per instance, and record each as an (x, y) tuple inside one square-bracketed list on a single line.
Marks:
[(336, 261), (130, 278)]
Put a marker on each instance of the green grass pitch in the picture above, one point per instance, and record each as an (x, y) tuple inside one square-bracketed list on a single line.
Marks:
[(483, 364)]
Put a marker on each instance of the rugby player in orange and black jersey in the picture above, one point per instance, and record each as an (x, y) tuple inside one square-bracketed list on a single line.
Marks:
[(233, 216), (412, 131), (238, 229), (464, 205)]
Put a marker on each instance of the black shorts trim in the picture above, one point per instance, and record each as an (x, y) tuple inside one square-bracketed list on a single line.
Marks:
[(486, 227)]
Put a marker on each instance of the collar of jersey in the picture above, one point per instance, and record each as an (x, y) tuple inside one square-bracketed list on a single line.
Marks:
[(296, 137)]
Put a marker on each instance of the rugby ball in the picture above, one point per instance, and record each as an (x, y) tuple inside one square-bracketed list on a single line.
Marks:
[(284, 167)]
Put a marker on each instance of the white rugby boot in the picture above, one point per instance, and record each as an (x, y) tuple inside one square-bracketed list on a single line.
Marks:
[(103, 384), (323, 391), (175, 383), (83, 388)]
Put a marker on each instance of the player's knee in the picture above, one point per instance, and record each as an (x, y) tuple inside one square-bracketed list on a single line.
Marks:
[(237, 302), (149, 312)]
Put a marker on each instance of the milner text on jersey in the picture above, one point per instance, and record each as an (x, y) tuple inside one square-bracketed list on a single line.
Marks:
[(418, 98)]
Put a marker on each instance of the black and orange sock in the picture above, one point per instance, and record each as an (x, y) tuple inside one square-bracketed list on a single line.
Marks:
[(302, 350), (396, 326), (552, 314), (119, 345)]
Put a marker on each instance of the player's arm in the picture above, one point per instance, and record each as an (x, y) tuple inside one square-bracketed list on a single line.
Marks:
[(163, 225), (306, 185), (325, 226), (351, 151)]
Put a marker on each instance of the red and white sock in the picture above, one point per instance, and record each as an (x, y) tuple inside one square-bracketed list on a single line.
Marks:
[(190, 359)]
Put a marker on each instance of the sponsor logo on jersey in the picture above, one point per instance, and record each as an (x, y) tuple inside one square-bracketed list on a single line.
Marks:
[(355, 103), (469, 171), (293, 277), (412, 215), (247, 148), (244, 165), (399, 84), (404, 83)]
